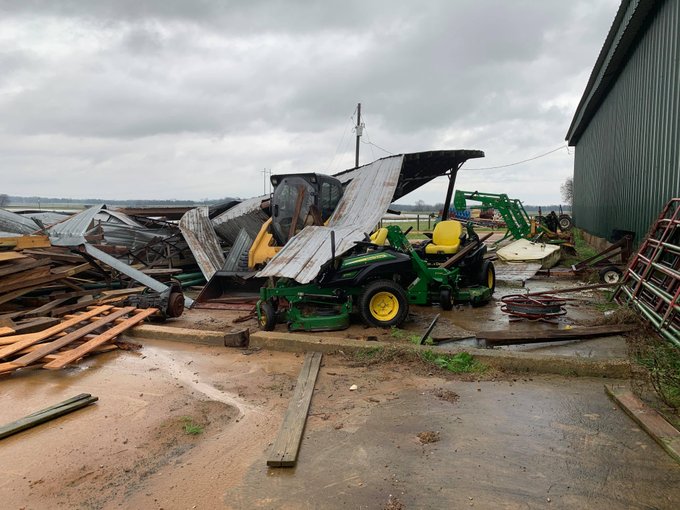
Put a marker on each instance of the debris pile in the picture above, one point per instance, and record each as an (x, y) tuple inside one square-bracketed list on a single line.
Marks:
[(70, 339)]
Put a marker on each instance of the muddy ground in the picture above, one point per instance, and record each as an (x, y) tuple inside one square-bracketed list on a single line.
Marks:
[(533, 442)]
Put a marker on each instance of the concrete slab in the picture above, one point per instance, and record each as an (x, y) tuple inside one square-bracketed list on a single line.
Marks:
[(508, 361)]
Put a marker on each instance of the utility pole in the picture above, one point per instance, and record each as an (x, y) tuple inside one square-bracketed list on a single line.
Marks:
[(359, 128), (266, 173)]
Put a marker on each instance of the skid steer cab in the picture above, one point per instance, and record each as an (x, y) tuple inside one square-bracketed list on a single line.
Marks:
[(379, 279), (298, 200)]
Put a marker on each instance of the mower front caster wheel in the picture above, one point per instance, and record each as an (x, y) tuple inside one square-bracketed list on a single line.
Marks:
[(446, 299), (384, 304), (267, 316)]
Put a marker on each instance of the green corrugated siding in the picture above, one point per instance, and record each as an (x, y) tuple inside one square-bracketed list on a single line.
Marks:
[(627, 162)]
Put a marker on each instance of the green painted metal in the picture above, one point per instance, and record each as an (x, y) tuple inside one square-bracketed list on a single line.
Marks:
[(511, 209), (338, 304), (627, 163)]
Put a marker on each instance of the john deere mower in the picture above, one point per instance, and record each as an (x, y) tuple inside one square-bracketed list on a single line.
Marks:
[(380, 280)]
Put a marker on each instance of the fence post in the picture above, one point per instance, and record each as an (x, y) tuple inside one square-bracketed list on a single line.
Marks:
[(417, 222)]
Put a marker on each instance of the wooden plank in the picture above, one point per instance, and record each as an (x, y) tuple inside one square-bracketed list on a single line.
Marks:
[(6, 256), (285, 449), (17, 293), (504, 336), (58, 274), (45, 415), (6, 330), (75, 354), (34, 325), (9, 366), (21, 341), (23, 242), (50, 347), (55, 255), (667, 436), (25, 277)]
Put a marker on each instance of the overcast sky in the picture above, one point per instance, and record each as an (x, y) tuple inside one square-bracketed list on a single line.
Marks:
[(192, 99)]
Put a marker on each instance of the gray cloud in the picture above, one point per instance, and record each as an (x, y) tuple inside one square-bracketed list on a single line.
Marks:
[(154, 91)]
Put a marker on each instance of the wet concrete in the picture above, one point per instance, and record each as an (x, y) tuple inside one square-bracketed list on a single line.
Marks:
[(528, 443), (532, 444)]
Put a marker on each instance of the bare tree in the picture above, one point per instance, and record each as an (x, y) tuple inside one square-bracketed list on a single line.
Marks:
[(567, 191), (4, 200)]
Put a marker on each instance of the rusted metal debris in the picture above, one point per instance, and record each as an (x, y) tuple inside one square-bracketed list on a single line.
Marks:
[(533, 307), (651, 284)]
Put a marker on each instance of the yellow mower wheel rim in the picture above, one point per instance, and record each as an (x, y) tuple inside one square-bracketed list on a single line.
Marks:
[(384, 306), (489, 278)]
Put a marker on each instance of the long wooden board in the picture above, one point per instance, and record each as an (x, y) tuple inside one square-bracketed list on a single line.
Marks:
[(18, 342), (50, 347), (285, 449), (70, 405), (23, 266), (77, 353), (649, 420), (501, 337)]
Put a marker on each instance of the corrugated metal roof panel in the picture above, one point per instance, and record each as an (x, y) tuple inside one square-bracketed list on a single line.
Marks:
[(71, 232), (248, 214), (16, 224), (203, 243), (364, 202)]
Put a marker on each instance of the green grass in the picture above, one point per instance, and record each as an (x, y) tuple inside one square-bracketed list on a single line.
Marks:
[(460, 363), (661, 360), (190, 427), (583, 250)]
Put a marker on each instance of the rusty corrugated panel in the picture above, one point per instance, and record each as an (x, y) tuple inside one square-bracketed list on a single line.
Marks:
[(248, 215), (203, 243), (364, 202), (16, 224)]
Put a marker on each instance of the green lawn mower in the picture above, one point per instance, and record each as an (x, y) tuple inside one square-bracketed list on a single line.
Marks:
[(379, 281)]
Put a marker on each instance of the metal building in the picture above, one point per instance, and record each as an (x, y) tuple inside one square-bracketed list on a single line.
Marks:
[(626, 128)]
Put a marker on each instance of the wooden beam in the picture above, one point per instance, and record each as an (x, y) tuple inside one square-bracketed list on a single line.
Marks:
[(75, 354), (508, 337), (649, 419), (11, 255), (285, 449), (50, 413), (23, 242), (54, 345), (18, 342), (58, 274)]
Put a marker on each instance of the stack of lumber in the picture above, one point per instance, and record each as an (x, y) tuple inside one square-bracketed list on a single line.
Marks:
[(50, 282), (72, 338)]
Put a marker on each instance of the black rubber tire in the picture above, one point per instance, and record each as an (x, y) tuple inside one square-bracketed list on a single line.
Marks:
[(446, 299), (387, 286), (483, 275), (610, 274), (268, 319), (565, 222)]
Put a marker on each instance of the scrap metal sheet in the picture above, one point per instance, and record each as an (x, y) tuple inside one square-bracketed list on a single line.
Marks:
[(363, 204), (71, 232), (248, 214), (203, 243), (16, 224)]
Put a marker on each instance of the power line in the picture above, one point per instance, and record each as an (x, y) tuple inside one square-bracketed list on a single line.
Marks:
[(520, 162)]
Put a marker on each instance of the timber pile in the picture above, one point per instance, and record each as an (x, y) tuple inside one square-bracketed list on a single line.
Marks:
[(72, 338), (43, 281)]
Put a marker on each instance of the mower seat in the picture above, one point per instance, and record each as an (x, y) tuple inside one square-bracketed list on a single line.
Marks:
[(445, 238), (379, 237)]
